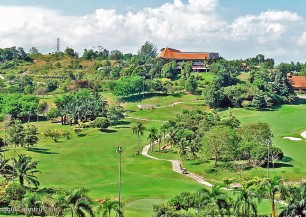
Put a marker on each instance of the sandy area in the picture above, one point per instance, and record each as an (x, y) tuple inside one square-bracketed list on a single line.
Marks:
[(293, 138), (303, 134)]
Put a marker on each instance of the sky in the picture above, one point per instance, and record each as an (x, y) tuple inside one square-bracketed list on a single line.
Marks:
[(236, 29)]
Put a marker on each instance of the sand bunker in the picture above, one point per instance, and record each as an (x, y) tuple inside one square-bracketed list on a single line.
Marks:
[(303, 134), (293, 138)]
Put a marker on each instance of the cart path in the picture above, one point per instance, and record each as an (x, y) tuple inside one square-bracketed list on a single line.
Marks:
[(176, 167)]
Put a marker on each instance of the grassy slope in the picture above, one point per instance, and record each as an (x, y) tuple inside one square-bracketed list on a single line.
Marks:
[(92, 161)]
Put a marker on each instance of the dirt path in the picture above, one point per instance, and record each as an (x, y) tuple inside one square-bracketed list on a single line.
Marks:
[(176, 167)]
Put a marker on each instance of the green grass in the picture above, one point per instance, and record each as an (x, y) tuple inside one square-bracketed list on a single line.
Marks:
[(91, 160), (207, 76), (167, 112)]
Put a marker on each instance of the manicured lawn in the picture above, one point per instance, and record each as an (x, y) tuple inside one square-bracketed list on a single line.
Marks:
[(168, 112), (156, 100), (91, 160)]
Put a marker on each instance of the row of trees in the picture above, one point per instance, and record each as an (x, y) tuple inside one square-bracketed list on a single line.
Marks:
[(84, 106), (244, 203), (18, 200)]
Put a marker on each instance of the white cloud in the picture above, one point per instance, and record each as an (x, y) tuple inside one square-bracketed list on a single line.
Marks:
[(302, 39), (195, 26)]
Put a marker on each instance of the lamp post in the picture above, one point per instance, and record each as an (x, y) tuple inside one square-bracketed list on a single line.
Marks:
[(119, 150), (143, 83), (268, 163)]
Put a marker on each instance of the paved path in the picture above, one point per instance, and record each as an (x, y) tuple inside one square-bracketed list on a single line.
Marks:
[(176, 167)]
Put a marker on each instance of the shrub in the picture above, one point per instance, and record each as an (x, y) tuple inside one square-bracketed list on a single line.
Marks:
[(101, 123), (15, 191)]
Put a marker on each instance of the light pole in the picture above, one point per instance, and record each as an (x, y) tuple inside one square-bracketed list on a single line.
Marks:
[(268, 163), (143, 83), (119, 150)]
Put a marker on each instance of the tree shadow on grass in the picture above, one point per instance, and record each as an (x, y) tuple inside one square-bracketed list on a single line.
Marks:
[(281, 165), (122, 127), (286, 159), (108, 131), (197, 162), (81, 134), (41, 150), (122, 122)]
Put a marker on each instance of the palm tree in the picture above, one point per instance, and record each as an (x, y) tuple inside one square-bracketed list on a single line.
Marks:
[(108, 206), (103, 104), (297, 202), (5, 168), (32, 202), (60, 203), (214, 196), (79, 203), (138, 129), (273, 187), (245, 204), (159, 138), (25, 170), (163, 131), (171, 128), (152, 137)]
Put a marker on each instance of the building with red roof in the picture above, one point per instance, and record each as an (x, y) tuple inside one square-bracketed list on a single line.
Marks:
[(298, 82), (198, 59)]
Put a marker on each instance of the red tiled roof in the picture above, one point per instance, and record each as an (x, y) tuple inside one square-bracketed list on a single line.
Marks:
[(169, 53), (298, 82)]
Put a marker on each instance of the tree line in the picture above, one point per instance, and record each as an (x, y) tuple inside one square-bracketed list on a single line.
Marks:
[(244, 202)]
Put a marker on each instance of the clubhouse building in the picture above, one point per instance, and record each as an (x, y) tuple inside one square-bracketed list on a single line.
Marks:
[(298, 82), (197, 59)]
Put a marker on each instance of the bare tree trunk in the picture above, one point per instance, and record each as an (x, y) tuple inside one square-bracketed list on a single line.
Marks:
[(138, 144)]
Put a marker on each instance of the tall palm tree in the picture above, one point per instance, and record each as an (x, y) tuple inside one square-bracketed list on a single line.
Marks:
[(297, 202), (214, 196), (171, 128), (15, 137), (245, 204), (79, 203), (273, 187), (159, 138), (152, 137), (163, 131), (26, 169), (108, 206), (60, 203), (32, 203), (103, 103), (138, 129)]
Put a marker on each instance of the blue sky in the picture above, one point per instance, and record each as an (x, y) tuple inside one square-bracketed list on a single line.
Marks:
[(83, 7), (234, 28)]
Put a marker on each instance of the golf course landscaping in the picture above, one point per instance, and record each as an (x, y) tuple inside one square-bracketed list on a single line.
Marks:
[(90, 159)]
